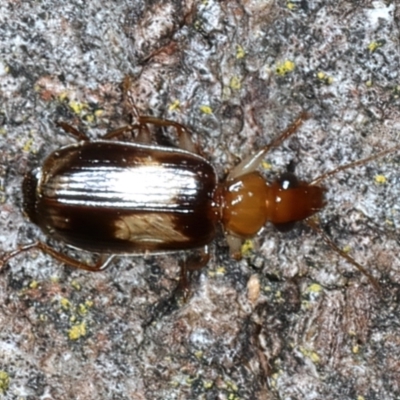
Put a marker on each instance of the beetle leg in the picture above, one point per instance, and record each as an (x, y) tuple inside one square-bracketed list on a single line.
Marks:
[(252, 162), (143, 136), (184, 137), (119, 131), (81, 136), (235, 244), (193, 262), (185, 141), (100, 265), (72, 131), (198, 260)]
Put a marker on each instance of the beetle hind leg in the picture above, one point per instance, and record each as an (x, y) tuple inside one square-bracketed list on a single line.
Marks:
[(101, 264)]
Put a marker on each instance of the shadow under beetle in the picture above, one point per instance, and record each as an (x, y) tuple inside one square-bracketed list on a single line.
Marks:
[(118, 198)]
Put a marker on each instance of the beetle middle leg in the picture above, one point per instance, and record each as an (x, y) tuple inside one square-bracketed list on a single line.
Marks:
[(144, 135), (184, 138)]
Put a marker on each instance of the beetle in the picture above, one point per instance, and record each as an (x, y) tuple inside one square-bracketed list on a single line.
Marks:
[(114, 197)]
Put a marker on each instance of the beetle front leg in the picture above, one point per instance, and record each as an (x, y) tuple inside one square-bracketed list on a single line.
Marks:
[(100, 265), (252, 162), (235, 245)]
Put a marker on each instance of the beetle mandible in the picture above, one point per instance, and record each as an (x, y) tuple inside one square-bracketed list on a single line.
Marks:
[(115, 198)]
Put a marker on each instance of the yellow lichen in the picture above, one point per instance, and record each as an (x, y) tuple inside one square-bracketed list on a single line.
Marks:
[(314, 288), (43, 317), (76, 285), (28, 145), (98, 113), (65, 303), (77, 331), (174, 106), (82, 309), (266, 165), (374, 45), (89, 303), (4, 381), (232, 386), (235, 83), (274, 379), (247, 248), (208, 385), (346, 249), (290, 5), (34, 284), (90, 118), (322, 76), (284, 67), (62, 96), (279, 298), (380, 179), (77, 107), (206, 109), (310, 354), (240, 53)]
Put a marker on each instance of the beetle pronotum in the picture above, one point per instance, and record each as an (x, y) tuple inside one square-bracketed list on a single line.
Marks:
[(113, 197)]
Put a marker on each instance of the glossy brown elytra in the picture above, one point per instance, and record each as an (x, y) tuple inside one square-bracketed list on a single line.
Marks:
[(118, 198)]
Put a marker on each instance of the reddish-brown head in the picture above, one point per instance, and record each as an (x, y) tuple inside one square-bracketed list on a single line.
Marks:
[(290, 200)]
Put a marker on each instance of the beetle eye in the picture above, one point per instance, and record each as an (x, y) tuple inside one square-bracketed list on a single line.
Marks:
[(287, 181)]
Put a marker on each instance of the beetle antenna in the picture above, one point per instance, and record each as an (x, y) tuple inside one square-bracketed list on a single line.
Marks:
[(315, 227), (322, 177)]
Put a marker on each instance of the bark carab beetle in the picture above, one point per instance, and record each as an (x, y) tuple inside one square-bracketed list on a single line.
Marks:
[(114, 197)]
